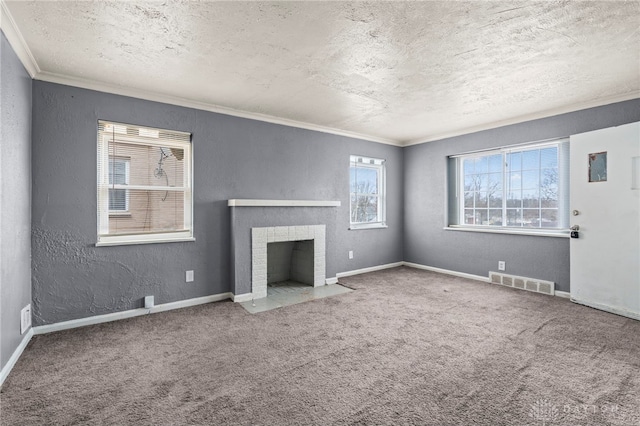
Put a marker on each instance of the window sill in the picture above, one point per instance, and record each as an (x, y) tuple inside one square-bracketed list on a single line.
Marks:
[(139, 239), (511, 231), (357, 227)]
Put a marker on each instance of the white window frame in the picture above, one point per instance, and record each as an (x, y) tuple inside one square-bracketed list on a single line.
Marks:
[(103, 185), (563, 191), (127, 165), (379, 165)]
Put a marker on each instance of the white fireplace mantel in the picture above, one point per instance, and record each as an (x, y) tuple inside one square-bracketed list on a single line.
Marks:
[(282, 203)]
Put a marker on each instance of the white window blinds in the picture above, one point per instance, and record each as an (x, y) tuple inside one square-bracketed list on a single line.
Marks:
[(144, 184)]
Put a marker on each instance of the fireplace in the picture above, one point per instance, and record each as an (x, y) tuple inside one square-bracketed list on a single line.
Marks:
[(309, 239), (311, 224), (290, 261)]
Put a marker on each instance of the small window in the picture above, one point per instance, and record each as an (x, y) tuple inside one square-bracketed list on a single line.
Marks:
[(524, 187), (118, 175), (144, 185), (367, 192)]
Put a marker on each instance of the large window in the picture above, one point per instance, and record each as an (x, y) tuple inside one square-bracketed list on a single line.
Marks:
[(367, 191), (523, 187), (144, 185)]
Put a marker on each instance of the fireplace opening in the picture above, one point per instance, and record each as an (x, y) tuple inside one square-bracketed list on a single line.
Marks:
[(290, 262)]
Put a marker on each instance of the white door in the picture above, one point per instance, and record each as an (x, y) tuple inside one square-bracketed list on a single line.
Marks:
[(605, 204)]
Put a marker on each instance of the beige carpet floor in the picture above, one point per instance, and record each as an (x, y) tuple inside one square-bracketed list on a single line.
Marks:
[(406, 347)]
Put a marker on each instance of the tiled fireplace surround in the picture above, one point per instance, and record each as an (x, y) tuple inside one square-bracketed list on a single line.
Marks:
[(260, 237), (256, 223)]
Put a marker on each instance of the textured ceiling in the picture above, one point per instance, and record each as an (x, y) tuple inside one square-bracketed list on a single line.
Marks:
[(403, 72)]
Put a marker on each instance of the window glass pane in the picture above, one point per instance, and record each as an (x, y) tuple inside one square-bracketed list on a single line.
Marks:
[(468, 199), (476, 182), (483, 182), (476, 217), (495, 200), (531, 179), (495, 163), (549, 157), (152, 165), (531, 218), (549, 184), (495, 217), (364, 209), (548, 202), (149, 211), (515, 181), (365, 180), (481, 199), (482, 217), (117, 171), (494, 189), (549, 218), (468, 166), (494, 183), (530, 194), (529, 201), (514, 198), (531, 160), (472, 182), (469, 217), (514, 161), (482, 165), (118, 199), (514, 203), (514, 217), (353, 183)]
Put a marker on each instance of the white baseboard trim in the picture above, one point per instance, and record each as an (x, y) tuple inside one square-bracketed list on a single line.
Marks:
[(564, 294), (239, 298), (99, 319), (370, 269), (4, 373), (332, 280), (446, 271), (618, 311)]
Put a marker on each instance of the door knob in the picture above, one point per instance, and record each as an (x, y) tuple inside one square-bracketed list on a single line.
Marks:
[(574, 231)]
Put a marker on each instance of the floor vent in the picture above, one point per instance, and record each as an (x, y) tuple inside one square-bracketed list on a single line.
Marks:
[(530, 284)]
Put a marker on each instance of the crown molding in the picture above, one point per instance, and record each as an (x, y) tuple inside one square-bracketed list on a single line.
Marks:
[(528, 117), (17, 42), (188, 103), (19, 45)]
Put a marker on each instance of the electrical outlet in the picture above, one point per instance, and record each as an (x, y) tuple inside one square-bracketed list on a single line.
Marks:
[(189, 276), (25, 318), (501, 265), (350, 254)]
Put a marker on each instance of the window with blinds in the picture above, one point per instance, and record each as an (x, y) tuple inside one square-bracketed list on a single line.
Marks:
[(144, 185)]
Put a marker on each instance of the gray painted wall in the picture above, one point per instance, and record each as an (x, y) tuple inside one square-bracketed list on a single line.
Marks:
[(233, 158), (15, 197), (425, 171)]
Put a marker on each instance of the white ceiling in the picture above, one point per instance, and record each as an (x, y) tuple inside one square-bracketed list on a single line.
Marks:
[(396, 72)]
